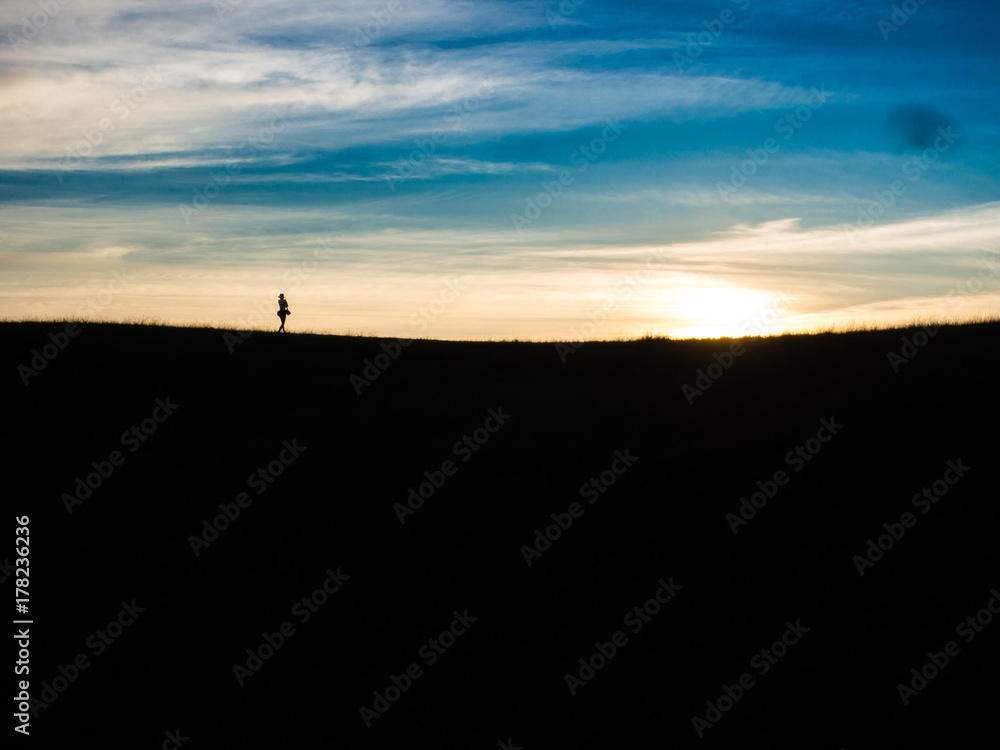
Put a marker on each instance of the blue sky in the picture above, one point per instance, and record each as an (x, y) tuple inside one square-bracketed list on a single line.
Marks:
[(567, 170)]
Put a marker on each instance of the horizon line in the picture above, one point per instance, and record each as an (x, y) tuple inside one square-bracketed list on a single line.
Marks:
[(853, 327)]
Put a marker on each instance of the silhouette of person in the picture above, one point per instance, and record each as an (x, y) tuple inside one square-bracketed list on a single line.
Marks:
[(283, 311)]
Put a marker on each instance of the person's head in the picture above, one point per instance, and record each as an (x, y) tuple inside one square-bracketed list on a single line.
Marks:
[(281, 296)]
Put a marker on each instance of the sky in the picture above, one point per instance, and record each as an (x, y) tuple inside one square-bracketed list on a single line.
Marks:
[(484, 169)]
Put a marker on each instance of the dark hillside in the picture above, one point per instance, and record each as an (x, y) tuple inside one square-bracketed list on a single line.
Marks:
[(668, 478)]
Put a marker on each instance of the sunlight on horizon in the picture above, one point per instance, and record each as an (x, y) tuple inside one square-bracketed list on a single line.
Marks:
[(716, 312)]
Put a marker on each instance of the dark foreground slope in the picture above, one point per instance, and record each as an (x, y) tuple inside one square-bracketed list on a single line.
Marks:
[(878, 438)]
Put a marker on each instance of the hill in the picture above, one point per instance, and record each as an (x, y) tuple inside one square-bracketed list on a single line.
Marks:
[(318, 541)]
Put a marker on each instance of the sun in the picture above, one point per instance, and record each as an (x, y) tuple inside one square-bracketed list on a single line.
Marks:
[(715, 311)]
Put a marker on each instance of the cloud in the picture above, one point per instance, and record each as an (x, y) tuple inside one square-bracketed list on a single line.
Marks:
[(538, 286), (102, 81)]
